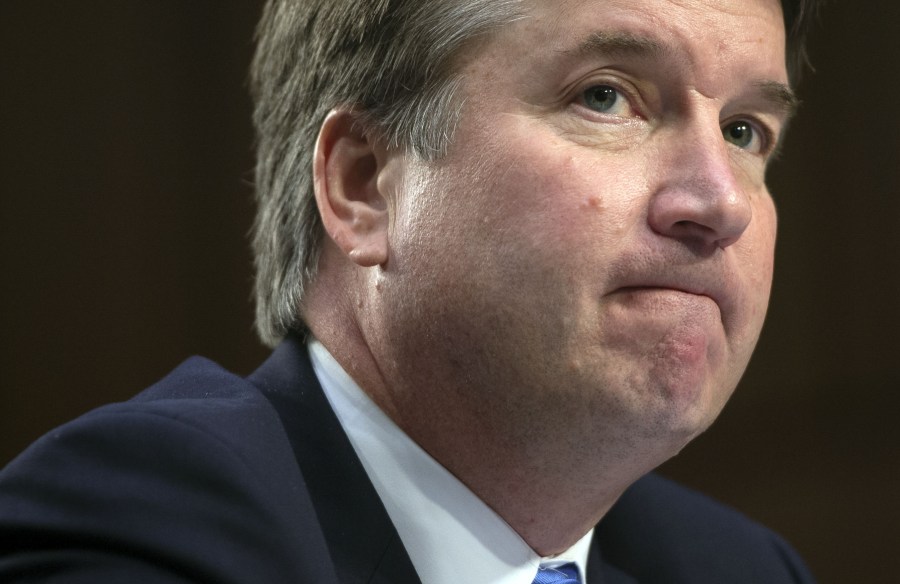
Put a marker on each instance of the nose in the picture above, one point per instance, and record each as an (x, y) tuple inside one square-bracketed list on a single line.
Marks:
[(701, 201)]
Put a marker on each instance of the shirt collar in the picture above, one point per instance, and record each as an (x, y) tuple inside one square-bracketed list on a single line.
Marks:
[(449, 533)]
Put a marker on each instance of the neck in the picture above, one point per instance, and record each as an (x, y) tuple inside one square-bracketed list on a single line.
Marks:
[(551, 492), (551, 470)]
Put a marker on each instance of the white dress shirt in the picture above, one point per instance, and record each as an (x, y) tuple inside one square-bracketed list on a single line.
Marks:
[(450, 534)]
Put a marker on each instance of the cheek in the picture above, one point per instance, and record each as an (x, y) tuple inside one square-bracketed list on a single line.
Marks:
[(565, 200), (761, 245), (754, 258)]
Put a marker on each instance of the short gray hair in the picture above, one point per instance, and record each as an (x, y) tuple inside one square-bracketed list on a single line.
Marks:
[(391, 60)]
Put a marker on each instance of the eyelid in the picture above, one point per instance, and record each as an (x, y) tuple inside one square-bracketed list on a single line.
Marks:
[(627, 90), (767, 134)]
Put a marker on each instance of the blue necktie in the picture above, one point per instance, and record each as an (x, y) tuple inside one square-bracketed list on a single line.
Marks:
[(565, 574)]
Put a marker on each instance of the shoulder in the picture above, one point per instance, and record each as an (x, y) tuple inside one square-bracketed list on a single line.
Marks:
[(196, 473), (199, 402), (660, 531)]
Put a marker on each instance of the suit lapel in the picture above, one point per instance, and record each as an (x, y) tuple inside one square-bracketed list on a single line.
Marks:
[(601, 572), (363, 543)]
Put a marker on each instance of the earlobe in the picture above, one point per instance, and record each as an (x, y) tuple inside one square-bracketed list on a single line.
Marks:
[(345, 175)]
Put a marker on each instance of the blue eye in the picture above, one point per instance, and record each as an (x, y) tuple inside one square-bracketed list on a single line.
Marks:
[(601, 98), (743, 135)]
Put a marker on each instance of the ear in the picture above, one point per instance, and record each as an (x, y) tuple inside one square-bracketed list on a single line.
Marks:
[(345, 172)]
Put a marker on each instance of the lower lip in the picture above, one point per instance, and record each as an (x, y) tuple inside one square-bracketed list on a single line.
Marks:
[(639, 293), (668, 308), (674, 301), (652, 313)]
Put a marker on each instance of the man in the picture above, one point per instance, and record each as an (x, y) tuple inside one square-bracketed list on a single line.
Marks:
[(515, 255)]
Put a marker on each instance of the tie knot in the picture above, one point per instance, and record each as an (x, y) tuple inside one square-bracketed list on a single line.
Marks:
[(565, 574)]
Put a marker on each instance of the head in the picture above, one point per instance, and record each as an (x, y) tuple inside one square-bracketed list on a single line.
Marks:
[(546, 242), (398, 65)]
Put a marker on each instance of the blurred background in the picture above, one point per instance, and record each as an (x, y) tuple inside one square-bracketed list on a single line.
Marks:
[(125, 200)]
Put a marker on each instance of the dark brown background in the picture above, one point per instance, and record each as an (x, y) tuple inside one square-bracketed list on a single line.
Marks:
[(125, 158)]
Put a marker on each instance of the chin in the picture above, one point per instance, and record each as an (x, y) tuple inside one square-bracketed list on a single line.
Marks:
[(700, 415), (686, 410)]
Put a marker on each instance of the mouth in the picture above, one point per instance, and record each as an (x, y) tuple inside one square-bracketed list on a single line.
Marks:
[(692, 294), (657, 279), (665, 288)]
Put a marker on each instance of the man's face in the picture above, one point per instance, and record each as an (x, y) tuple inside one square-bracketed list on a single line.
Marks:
[(597, 245)]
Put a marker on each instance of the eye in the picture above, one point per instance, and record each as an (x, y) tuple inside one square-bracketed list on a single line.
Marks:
[(744, 135), (605, 99)]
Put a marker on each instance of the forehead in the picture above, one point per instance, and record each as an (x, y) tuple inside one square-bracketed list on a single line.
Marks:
[(708, 38)]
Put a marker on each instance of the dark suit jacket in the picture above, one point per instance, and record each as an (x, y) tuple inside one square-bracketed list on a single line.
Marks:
[(209, 477)]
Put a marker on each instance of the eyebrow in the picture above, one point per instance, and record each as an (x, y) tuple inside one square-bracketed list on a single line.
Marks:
[(624, 44), (780, 95), (616, 44)]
